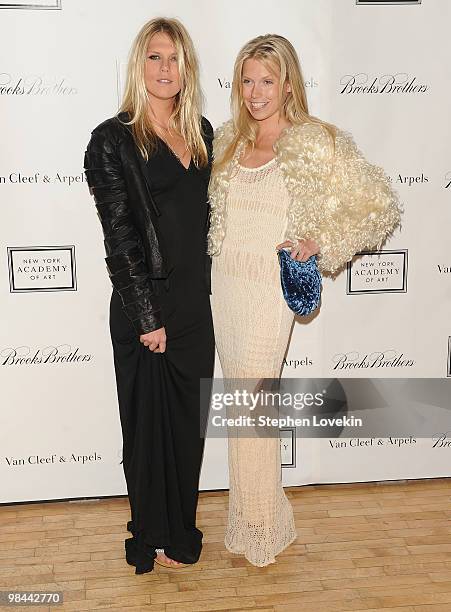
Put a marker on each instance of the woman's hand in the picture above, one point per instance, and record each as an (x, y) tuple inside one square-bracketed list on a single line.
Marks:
[(155, 340), (302, 250)]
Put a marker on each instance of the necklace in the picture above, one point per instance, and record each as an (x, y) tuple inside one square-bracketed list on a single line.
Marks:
[(167, 130), (179, 157)]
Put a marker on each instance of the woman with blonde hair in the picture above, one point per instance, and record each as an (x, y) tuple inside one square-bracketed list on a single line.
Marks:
[(281, 178), (148, 169)]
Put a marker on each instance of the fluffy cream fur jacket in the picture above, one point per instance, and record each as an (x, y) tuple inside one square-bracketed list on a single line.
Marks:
[(337, 197)]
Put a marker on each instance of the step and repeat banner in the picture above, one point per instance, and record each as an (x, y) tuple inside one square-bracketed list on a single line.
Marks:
[(377, 69)]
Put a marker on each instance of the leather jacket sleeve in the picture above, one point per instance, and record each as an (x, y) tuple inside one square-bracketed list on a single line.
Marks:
[(125, 260)]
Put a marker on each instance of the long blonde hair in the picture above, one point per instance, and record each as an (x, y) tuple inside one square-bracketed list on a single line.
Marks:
[(280, 56), (186, 115)]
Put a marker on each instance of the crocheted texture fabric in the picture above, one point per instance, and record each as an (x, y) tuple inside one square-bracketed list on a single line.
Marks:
[(252, 329)]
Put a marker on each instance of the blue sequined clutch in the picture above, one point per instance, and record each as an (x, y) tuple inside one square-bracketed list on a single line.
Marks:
[(301, 283)]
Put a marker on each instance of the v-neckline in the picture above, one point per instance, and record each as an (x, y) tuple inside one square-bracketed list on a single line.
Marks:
[(176, 157)]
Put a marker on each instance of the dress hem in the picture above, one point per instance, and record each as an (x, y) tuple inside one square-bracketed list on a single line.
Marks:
[(273, 560)]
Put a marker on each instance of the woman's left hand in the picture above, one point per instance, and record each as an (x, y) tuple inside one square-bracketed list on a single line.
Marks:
[(302, 250)]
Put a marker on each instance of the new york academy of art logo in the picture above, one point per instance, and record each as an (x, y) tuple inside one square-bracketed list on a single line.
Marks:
[(382, 271), (43, 268), (288, 446)]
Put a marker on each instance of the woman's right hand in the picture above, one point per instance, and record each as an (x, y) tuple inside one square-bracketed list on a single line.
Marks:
[(155, 340)]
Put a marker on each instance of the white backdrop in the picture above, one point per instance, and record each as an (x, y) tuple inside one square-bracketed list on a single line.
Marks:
[(381, 72)]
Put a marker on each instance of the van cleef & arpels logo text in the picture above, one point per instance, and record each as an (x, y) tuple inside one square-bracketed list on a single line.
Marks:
[(52, 459), (226, 83), (42, 178)]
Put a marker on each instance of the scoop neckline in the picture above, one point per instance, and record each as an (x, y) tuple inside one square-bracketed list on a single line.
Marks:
[(268, 163)]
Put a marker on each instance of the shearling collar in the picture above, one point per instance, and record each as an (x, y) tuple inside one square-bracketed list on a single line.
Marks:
[(298, 151), (338, 198)]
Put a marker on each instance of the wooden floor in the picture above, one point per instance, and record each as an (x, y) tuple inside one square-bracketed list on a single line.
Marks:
[(377, 546)]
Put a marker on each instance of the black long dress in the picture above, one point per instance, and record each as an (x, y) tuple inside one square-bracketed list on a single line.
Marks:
[(158, 393)]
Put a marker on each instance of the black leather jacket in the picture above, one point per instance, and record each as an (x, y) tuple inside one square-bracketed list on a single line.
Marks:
[(116, 175)]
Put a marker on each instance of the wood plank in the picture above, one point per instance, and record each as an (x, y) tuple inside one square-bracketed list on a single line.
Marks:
[(361, 547)]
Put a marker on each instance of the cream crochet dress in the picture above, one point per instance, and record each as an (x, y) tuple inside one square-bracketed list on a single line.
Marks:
[(252, 329)]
